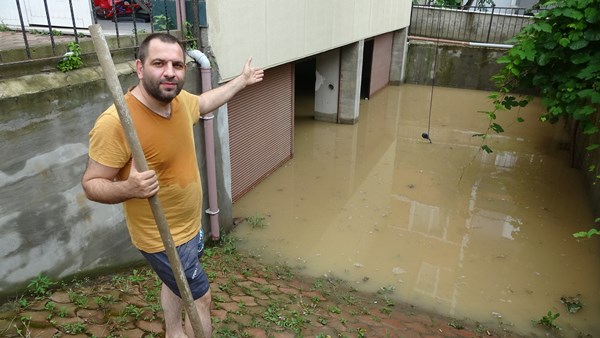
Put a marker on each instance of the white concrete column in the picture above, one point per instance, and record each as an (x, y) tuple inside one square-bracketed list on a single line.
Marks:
[(350, 81), (327, 79), (399, 50)]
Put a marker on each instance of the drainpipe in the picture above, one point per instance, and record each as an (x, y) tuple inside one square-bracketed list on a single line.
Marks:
[(465, 43), (213, 205)]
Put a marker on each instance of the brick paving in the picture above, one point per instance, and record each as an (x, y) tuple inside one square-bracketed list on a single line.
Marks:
[(250, 299)]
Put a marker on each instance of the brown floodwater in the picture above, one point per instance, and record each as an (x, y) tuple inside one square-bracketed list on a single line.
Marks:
[(444, 225)]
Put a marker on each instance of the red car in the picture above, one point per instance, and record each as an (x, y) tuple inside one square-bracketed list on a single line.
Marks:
[(106, 9)]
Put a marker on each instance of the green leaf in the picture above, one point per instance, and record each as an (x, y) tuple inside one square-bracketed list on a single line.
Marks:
[(572, 13), (520, 119), (580, 58), (592, 14), (591, 94), (487, 149), (497, 128), (503, 59), (579, 44), (542, 26), (590, 129), (564, 42), (544, 59), (592, 147), (592, 34)]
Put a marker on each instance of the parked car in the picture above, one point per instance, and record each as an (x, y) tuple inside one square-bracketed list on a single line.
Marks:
[(106, 9)]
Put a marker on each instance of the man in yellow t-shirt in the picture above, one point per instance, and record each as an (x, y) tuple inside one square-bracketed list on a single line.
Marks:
[(163, 115)]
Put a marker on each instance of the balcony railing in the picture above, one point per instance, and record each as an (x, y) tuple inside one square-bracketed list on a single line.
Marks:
[(45, 30), (478, 24)]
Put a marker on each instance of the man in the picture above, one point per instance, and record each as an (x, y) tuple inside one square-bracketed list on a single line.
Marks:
[(163, 115)]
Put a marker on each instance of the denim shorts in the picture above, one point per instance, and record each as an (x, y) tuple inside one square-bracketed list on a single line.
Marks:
[(188, 254)]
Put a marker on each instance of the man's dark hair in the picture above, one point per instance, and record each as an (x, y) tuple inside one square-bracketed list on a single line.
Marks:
[(164, 37)]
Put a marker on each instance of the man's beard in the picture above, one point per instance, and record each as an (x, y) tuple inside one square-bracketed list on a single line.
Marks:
[(153, 88)]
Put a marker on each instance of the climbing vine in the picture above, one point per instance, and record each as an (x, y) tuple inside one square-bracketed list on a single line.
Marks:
[(559, 56)]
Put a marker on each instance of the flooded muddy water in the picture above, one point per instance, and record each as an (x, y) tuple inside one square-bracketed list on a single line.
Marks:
[(444, 225)]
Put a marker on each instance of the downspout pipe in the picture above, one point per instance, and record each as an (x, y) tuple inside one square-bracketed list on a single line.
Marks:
[(465, 43), (211, 172)]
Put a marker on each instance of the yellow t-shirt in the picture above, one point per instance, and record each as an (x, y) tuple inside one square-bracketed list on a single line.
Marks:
[(168, 146)]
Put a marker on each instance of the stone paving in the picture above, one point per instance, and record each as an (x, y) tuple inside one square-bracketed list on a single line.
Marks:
[(250, 299)]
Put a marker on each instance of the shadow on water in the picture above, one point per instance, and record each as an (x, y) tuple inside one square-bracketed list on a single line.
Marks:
[(447, 227)]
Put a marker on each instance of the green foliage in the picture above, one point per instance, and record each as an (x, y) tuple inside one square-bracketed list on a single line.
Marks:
[(558, 55), (3, 27), (72, 59), (162, 22), (257, 221), (189, 35), (548, 320), (589, 233), (74, 328), (40, 285)]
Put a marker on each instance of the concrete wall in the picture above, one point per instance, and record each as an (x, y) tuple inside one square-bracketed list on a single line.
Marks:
[(453, 66), (461, 25), (47, 224), (277, 32)]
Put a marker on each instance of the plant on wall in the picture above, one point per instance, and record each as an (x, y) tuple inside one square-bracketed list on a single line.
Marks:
[(72, 59), (558, 55)]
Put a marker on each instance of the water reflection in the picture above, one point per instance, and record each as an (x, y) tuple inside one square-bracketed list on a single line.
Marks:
[(447, 227)]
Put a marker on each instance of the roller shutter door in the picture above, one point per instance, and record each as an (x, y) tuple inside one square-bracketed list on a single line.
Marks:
[(382, 62), (261, 126)]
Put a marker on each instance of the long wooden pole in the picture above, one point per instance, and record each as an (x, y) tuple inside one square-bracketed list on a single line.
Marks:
[(110, 74)]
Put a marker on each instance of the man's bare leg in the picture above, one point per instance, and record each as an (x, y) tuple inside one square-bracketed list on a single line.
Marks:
[(171, 305), (203, 307)]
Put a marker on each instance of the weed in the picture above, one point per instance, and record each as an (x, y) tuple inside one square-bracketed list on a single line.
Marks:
[(23, 303), (548, 320), (151, 296), (385, 310), (72, 59), (334, 309), (3, 27), (50, 306), (386, 290), (189, 35), (256, 221), (74, 328), (456, 325), (361, 332), (211, 275), (133, 311), (293, 321), (100, 301), (40, 285), (63, 312), (228, 245), (322, 321), (77, 299), (136, 277)]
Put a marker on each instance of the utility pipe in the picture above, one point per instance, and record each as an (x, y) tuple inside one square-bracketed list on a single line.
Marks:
[(112, 80), (211, 172), (465, 43)]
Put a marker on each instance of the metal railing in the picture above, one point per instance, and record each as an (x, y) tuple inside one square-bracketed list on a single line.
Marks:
[(476, 24), (22, 37)]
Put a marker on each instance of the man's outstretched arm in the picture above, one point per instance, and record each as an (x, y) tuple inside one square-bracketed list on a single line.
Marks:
[(213, 99)]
